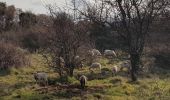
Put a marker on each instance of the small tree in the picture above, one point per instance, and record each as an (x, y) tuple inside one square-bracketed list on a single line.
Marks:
[(65, 39)]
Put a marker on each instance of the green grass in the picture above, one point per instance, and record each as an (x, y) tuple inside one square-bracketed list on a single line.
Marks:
[(19, 84)]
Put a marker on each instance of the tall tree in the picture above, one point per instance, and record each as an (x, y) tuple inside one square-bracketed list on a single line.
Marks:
[(27, 19), (130, 18), (2, 13), (9, 16)]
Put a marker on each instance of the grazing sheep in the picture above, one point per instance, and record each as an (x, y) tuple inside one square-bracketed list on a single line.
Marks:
[(126, 64), (83, 81), (90, 53), (78, 62), (41, 78), (114, 70), (81, 65), (76, 58), (62, 62), (96, 52), (95, 65), (110, 53)]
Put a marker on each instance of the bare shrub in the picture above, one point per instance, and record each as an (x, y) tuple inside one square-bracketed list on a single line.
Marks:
[(11, 56), (65, 39)]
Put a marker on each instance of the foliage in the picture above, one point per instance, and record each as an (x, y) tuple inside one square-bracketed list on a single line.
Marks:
[(2, 8), (31, 41), (27, 19)]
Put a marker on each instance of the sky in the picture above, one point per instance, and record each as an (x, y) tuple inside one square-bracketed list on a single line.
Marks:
[(36, 6)]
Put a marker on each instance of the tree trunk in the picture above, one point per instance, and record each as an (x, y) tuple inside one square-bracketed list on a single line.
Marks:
[(71, 72), (61, 72), (71, 69), (135, 60)]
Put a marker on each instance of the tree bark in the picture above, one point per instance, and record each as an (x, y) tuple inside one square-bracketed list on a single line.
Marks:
[(71, 72), (135, 62)]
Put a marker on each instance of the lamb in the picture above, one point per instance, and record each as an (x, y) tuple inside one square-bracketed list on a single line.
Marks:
[(83, 81), (110, 53), (114, 70), (41, 78), (95, 65)]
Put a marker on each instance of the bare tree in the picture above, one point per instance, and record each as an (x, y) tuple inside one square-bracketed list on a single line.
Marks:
[(2, 15), (130, 18), (9, 14), (65, 38)]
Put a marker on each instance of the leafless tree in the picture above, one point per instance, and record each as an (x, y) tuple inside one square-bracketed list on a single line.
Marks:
[(130, 18), (65, 38)]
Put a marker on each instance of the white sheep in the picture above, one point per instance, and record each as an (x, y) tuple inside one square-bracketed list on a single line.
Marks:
[(110, 53), (78, 62), (76, 58), (83, 81), (126, 64), (95, 65), (114, 70), (90, 53), (96, 52), (41, 78), (62, 62)]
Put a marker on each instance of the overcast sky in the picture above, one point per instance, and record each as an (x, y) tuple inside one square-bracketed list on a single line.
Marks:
[(36, 6)]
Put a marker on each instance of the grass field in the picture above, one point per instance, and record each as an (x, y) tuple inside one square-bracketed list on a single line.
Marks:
[(19, 84)]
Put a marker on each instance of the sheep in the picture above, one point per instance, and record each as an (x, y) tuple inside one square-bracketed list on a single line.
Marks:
[(78, 62), (90, 53), (83, 81), (96, 52), (76, 58), (41, 77), (110, 53), (95, 65), (125, 64), (114, 70), (81, 65), (61, 61)]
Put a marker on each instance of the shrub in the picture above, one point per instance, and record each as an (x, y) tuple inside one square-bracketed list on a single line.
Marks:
[(31, 41), (11, 56)]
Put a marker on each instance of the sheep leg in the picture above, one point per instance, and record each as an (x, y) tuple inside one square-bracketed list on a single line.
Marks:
[(47, 83)]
